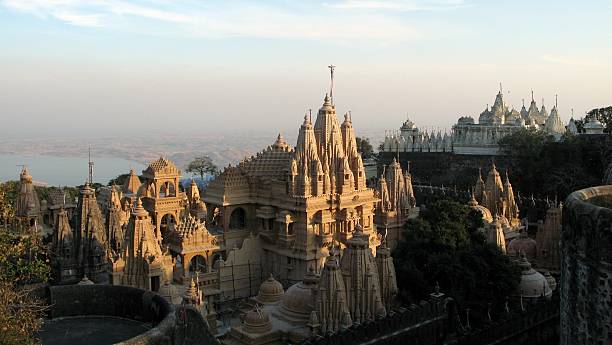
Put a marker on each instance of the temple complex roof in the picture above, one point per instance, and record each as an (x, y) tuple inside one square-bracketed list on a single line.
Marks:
[(161, 166)]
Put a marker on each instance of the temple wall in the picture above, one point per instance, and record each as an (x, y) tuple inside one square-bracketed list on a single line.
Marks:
[(240, 274), (586, 268), (443, 168)]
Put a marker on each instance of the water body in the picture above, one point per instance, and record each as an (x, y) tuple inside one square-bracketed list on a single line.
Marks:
[(65, 171), (91, 330)]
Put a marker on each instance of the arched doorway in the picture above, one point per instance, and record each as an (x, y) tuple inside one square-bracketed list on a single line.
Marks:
[(238, 219), (167, 189), (197, 264)]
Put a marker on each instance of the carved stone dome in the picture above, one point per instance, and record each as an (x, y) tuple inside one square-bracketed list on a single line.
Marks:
[(257, 321), (533, 284), (297, 304), (484, 212), (523, 244), (270, 291), (85, 281)]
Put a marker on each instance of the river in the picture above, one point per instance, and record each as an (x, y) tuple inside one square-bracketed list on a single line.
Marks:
[(64, 171)]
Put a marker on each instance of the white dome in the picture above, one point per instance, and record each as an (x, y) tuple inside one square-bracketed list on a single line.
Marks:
[(533, 284)]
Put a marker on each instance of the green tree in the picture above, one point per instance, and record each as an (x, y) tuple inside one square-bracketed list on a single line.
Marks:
[(201, 166), (364, 147), (541, 166), (119, 180), (23, 263), (445, 246)]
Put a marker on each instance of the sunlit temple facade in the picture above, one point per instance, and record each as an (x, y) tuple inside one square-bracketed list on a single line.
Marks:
[(300, 200)]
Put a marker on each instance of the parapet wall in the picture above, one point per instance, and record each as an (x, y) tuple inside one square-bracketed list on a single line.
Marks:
[(586, 264), (425, 323)]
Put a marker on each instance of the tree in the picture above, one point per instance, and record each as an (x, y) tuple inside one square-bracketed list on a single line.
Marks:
[(364, 147), (541, 166), (119, 180), (22, 264), (445, 246), (202, 165)]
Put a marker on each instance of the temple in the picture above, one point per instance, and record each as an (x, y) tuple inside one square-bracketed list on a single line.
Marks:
[(299, 200), (397, 202), (496, 203), (471, 138)]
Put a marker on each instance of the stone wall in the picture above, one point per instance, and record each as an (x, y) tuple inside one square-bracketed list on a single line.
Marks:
[(586, 268), (444, 168), (436, 322), (425, 323)]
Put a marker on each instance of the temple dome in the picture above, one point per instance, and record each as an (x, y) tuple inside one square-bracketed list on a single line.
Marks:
[(484, 212), (270, 291), (523, 244), (297, 303), (85, 281), (533, 284), (257, 321)]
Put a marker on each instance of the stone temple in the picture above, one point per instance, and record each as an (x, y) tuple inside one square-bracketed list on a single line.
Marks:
[(469, 137), (300, 200)]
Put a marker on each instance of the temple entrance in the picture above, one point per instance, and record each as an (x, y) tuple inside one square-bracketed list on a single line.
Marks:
[(197, 264), (167, 222)]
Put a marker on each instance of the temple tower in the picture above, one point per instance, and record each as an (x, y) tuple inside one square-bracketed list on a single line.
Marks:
[(90, 236), (161, 195), (331, 299), (361, 279), (27, 205), (142, 263)]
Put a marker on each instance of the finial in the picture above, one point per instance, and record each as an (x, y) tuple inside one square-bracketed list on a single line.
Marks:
[(90, 164), (500, 87), (532, 95), (523, 102), (556, 98)]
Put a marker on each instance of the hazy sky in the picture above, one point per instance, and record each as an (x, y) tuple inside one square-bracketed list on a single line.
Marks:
[(94, 66)]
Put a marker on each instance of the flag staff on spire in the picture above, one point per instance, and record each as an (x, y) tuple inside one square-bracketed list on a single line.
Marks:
[(91, 164), (331, 89)]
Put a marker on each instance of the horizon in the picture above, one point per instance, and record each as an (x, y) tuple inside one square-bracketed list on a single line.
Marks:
[(80, 67)]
